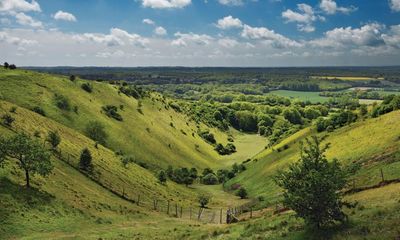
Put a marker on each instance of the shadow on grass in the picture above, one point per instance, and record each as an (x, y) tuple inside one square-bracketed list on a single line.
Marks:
[(29, 198), (326, 233)]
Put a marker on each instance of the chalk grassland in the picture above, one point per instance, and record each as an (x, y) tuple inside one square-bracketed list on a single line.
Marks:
[(372, 144)]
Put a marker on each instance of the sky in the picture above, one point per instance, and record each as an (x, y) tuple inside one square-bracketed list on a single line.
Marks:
[(229, 33)]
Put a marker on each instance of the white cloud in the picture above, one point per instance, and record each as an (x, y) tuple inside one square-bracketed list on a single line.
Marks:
[(65, 16), (367, 35), (330, 7), (13, 6), (231, 2), (228, 42), (7, 38), (26, 20), (166, 3), (183, 39), (392, 38), (117, 37), (269, 36), (148, 21), (229, 22), (395, 5), (160, 31), (304, 18)]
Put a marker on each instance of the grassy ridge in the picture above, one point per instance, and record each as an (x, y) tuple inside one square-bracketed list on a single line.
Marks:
[(373, 144), (148, 137)]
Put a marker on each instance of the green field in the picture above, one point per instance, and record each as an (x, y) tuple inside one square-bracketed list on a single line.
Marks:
[(301, 96)]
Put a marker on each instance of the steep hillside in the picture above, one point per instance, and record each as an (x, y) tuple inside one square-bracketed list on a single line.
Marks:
[(370, 145), (151, 132)]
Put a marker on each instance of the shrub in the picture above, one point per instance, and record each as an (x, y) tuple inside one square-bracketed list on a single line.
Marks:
[(209, 137), (96, 131), (39, 110), (7, 119), (72, 78), (13, 109), (112, 112), (242, 193), (6, 65), (204, 200), (62, 102), (210, 179), (54, 139), (87, 87), (85, 161), (127, 160), (162, 177), (12, 67)]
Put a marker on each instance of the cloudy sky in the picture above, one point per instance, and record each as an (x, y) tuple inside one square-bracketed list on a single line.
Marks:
[(243, 33)]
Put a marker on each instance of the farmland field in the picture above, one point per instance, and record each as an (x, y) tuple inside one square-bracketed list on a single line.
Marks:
[(302, 96)]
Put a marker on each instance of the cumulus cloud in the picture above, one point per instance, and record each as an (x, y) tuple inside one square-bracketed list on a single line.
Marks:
[(7, 38), (183, 39), (163, 4), (231, 2), (148, 21), (367, 35), (269, 36), (395, 5), (13, 6), (330, 7), (305, 17), (65, 16), (117, 37), (160, 31), (229, 22), (26, 20), (228, 42)]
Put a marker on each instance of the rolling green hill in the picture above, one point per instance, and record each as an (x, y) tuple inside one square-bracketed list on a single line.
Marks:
[(158, 137), (372, 145)]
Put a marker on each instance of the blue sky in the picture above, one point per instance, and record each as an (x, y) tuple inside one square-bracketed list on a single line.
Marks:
[(200, 32)]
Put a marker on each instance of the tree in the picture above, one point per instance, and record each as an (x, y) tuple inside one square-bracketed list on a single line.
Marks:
[(6, 65), (203, 200), (85, 162), (170, 172), (87, 87), (54, 139), (32, 157), (312, 187), (242, 193), (95, 131), (363, 110), (12, 66), (72, 78), (162, 177), (210, 179)]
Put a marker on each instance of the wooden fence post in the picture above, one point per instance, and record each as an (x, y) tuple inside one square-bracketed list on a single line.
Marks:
[(383, 179), (200, 212), (181, 211), (176, 210), (220, 216)]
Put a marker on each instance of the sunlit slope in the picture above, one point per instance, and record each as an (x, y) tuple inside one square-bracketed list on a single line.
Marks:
[(158, 136), (372, 144)]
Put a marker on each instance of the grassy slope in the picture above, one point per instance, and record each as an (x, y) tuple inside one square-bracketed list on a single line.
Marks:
[(148, 138), (60, 205), (374, 143)]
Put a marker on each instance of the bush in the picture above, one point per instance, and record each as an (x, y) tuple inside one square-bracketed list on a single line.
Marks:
[(7, 119), (62, 102), (39, 110), (204, 200), (96, 131), (127, 160), (87, 87), (112, 112), (13, 109), (162, 177), (85, 161), (72, 78), (210, 179), (242, 193), (12, 67), (209, 137), (54, 139)]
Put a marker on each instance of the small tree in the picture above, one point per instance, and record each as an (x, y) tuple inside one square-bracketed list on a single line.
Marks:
[(7, 119), (162, 177), (312, 186), (203, 200), (54, 139), (6, 65), (242, 193), (85, 162), (72, 78), (31, 155), (96, 131)]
